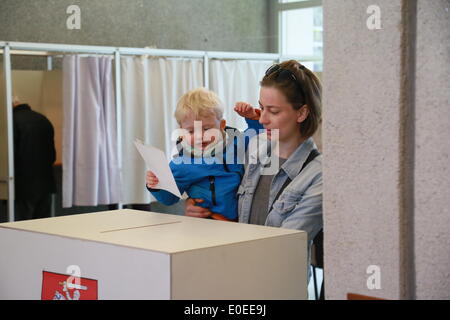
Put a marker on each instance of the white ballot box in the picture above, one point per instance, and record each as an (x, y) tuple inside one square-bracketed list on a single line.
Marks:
[(130, 254)]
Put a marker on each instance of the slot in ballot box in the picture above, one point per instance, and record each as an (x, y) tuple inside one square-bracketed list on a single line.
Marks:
[(130, 254)]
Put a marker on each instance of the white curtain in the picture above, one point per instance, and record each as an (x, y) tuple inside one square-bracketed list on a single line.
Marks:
[(151, 88), (90, 166), (237, 80)]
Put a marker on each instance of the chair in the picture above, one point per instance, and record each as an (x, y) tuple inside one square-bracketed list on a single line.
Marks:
[(317, 262)]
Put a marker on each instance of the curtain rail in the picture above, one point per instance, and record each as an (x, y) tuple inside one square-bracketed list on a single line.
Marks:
[(49, 49)]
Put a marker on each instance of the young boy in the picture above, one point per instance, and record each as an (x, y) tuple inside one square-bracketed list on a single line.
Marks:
[(201, 169)]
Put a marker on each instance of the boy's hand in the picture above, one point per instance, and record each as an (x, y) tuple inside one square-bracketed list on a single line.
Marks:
[(192, 210), (151, 180), (244, 109)]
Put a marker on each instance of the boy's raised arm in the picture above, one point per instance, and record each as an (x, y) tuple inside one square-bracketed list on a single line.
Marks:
[(251, 115)]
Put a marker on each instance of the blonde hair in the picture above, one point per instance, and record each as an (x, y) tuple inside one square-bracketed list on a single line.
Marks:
[(200, 102)]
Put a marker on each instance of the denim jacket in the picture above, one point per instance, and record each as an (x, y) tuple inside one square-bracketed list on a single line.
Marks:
[(300, 204)]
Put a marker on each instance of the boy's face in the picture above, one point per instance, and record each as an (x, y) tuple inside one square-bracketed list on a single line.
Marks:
[(203, 130)]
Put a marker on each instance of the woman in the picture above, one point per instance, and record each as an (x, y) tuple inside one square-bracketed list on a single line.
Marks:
[(290, 101)]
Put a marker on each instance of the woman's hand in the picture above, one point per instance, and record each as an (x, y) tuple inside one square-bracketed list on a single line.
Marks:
[(245, 109), (192, 210), (151, 180)]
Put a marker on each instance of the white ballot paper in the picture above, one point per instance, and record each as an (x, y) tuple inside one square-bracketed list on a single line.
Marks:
[(156, 161)]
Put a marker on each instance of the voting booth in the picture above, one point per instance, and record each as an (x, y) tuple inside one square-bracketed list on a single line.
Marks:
[(130, 254)]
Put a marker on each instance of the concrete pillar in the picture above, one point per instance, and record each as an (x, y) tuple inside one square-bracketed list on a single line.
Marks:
[(3, 138), (432, 151), (365, 102), (386, 148)]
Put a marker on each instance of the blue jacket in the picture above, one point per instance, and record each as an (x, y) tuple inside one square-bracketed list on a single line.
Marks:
[(214, 182)]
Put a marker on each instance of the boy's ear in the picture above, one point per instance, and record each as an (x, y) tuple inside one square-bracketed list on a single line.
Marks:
[(223, 124)]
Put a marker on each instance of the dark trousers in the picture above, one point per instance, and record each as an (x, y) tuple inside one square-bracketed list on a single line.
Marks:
[(322, 291), (37, 208)]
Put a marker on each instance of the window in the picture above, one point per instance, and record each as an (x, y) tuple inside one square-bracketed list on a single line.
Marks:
[(301, 31)]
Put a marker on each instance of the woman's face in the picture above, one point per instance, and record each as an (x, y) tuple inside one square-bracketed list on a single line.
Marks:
[(278, 113)]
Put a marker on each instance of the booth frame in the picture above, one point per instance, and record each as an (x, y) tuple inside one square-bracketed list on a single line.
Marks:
[(51, 50)]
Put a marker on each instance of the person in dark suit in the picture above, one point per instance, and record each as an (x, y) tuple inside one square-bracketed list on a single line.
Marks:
[(34, 155)]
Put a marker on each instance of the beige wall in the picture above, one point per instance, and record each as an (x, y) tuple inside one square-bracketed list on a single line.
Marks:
[(386, 149)]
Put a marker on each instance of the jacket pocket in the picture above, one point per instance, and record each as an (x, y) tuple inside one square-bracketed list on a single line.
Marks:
[(286, 203), (244, 202)]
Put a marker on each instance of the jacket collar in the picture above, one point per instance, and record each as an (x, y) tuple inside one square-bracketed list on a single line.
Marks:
[(295, 162)]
